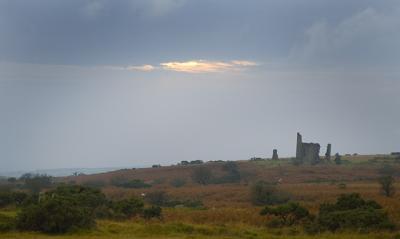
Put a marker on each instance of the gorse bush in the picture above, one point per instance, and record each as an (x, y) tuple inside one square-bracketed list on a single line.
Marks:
[(6, 223), (127, 208), (12, 198), (73, 207), (287, 214), (55, 215), (63, 209), (352, 212), (152, 212), (263, 193)]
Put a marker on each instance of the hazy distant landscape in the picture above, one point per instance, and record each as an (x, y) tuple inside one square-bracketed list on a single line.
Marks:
[(256, 119), (58, 172)]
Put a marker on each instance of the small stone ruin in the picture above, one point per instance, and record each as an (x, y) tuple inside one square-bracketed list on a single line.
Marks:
[(275, 155), (328, 152), (307, 152)]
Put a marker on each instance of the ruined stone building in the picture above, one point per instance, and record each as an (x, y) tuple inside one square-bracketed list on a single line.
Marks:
[(328, 153), (275, 154), (307, 152)]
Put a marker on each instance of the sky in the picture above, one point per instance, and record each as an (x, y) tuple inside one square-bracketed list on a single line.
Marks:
[(125, 83)]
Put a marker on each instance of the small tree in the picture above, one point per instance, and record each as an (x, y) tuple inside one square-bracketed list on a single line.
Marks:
[(387, 186)]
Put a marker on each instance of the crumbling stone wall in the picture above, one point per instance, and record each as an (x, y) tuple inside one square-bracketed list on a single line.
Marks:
[(307, 152), (328, 152)]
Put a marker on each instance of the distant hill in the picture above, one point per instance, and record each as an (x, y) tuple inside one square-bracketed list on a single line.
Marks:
[(354, 167), (61, 172)]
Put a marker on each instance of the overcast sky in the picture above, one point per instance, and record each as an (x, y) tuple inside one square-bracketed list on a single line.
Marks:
[(110, 83)]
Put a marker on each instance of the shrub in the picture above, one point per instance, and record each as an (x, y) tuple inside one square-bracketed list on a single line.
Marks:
[(6, 223), (36, 182), (152, 212), (202, 175), (124, 183), (263, 193), (83, 196), (19, 197), (158, 198), (387, 187), (55, 215), (9, 198), (127, 208), (61, 210), (5, 199), (178, 182), (352, 212), (287, 214)]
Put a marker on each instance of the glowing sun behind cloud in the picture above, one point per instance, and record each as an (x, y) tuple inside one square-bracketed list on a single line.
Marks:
[(203, 66)]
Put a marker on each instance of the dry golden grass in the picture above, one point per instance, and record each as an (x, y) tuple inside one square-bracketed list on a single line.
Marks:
[(229, 212)]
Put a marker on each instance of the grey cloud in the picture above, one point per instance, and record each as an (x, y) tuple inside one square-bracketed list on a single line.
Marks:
[(367, 38)]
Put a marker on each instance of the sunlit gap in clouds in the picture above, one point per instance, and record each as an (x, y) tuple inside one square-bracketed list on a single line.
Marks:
[(193, 66)]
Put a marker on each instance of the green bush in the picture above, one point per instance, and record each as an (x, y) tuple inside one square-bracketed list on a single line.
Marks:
[(287, 214), (127, 208), (55, 215), (263, 193), (352, 212), (12, 198), (5, 199), (83, 196), (6, 223), (152, 212), (61, 210)]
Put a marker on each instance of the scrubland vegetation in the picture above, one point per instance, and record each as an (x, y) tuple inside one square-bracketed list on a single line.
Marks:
[(246, 199)]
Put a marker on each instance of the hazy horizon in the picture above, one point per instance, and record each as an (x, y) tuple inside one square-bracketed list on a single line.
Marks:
[(102, 83)]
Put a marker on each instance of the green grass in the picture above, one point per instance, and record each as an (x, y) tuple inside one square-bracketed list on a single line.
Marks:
[(131, 229)]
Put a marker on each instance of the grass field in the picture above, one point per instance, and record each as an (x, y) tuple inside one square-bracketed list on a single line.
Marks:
[(122, 230)]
